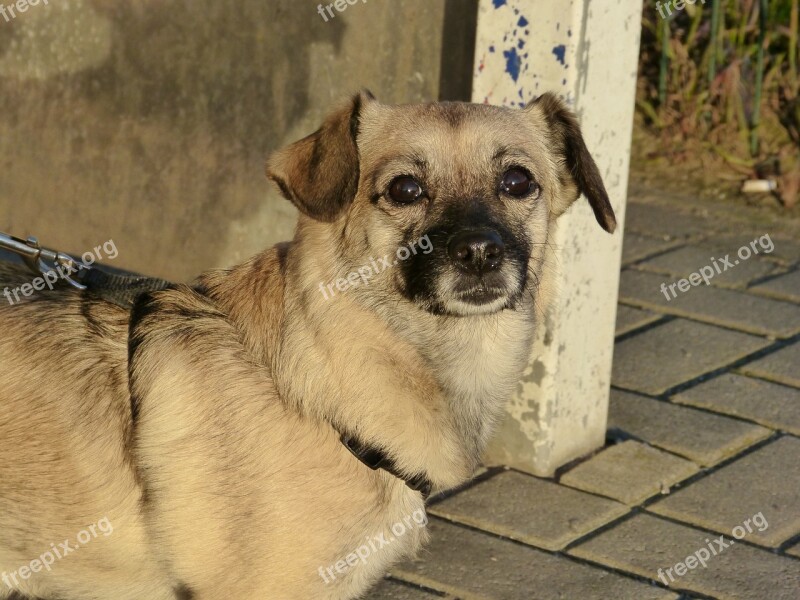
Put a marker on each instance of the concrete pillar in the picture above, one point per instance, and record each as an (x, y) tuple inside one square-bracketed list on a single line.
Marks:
[(588, 55)]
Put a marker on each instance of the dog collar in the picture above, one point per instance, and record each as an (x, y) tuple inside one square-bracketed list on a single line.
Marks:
[(377, 459)]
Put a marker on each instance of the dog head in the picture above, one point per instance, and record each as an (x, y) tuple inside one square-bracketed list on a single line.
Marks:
[(455, 199)]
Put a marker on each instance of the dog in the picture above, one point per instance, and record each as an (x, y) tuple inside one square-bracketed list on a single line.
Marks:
[(248, 436)]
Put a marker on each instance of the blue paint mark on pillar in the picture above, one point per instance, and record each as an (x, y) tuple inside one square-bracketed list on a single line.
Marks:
[(560, 51), (513, 63), (499, 3)]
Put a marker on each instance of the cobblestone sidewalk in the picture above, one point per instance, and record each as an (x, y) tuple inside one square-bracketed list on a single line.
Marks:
[(703, 442)]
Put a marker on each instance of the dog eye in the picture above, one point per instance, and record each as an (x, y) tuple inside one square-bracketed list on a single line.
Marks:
[(405, 190), (517, 182)]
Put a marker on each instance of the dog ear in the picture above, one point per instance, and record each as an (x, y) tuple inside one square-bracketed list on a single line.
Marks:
[(579, 172), (319, 174)]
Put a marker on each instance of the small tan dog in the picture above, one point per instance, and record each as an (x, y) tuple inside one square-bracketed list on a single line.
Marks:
[(192, 448)]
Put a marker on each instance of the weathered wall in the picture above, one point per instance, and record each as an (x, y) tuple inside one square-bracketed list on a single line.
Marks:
[(148, 121)]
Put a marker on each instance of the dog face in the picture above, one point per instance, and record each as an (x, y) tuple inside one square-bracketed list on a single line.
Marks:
[(457, 197)]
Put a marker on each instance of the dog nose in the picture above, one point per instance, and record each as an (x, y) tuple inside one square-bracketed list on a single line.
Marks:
[(476, 251)]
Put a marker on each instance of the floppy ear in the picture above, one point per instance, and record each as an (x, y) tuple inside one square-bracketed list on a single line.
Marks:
[(319, 173), (579, 172)]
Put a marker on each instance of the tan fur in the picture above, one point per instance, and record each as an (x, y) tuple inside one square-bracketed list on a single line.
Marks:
[(215, 450)]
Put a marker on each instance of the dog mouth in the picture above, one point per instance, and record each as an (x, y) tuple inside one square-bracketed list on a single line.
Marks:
[(479, 295), (465, 295)]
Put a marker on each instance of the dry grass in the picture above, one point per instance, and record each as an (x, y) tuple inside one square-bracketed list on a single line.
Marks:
[(729, 101)]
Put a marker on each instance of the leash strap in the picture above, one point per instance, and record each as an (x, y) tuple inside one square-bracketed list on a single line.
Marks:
[(121, 290), (117, 287)]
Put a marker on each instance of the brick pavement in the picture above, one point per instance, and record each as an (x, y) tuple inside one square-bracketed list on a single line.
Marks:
[(704, 441)]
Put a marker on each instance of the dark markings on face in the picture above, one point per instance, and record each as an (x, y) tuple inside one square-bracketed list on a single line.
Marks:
[(452, 113), (421, 272)]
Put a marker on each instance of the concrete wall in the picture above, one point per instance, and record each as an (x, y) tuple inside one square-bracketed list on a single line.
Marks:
[(148, 121)]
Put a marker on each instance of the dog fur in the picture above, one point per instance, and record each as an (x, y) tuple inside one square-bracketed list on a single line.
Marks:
[(204, 424)]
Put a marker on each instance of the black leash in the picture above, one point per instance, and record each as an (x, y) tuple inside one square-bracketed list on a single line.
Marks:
[(123, 288), (57, 268), (120, 289)]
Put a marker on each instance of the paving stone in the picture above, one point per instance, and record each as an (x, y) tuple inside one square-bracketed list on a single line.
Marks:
[(665, 222), (757, 243), (393, 590), (729, 308), (766, 481), (473, 565), (786, 251), (782, 366), (770, 404), (701, 437), (629, 318), (682, 262), (794, 551), (785, 287), (635, 246), (644, 544), (675, 352), (528, 509), (629, 472)]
